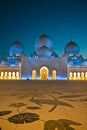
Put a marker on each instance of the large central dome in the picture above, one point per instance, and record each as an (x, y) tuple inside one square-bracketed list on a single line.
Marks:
[(43, 40), (44, 48)]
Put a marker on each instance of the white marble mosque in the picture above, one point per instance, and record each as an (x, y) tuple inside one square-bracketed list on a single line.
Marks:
[(44, 63)]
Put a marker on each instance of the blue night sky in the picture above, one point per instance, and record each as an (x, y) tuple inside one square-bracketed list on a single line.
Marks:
[(26, 20)]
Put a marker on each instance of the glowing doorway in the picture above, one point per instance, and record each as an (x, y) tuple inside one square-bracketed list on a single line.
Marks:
[(44, 73), (54, 75), (34, 73)]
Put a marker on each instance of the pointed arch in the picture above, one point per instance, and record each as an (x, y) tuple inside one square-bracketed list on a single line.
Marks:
[(34, 73), (44, 73), (54, 75)]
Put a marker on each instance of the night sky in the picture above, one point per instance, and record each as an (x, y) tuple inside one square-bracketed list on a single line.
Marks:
[(26, 20)]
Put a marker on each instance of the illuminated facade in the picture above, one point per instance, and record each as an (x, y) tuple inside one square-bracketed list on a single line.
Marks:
[(44, 63)]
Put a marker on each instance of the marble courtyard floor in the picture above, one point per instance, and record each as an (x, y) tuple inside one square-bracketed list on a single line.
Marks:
[(29, 105)]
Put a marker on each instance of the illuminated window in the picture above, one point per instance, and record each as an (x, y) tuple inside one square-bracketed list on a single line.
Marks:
[(85, 75), (54, 74), (82, 75), (13, 75), (2, 75), (70, 75), (70, 54), (17, 75), (9, 75), (34, 74), (17, 54), (5, 75), (78, 75), (74, 75)]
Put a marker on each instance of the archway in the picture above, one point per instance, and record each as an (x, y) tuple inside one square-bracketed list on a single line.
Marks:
[(54, 75), (34, 73), (44, 73)]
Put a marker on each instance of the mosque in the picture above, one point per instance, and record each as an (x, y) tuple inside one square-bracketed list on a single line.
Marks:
[(44, 63)]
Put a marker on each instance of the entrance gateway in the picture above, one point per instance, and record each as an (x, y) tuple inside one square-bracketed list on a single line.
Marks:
[(44, 73)]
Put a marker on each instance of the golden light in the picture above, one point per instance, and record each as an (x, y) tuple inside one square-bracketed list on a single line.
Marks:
[(54, 75), (82, 75), (44, 73), (5, 75), (85, 75), (2, 75), (34, 73), (9, 75), (17, 75), (70, 76), (78, 75)]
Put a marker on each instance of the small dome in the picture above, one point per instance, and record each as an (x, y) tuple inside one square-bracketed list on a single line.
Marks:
[(72, 48), (44, 52), (43, 40), (16, 48)]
